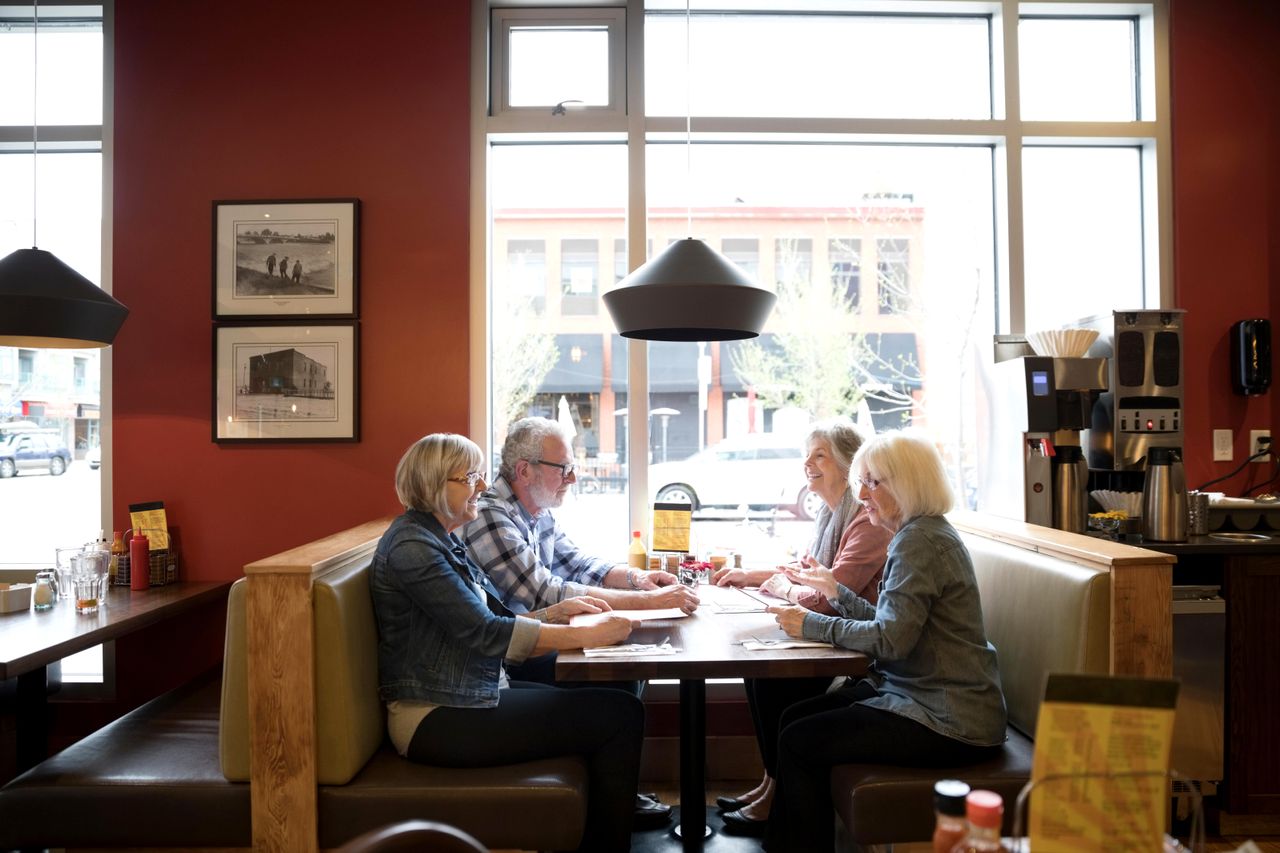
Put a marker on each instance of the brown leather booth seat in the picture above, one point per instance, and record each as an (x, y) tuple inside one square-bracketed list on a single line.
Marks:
[(1043, 614), (152, 779)]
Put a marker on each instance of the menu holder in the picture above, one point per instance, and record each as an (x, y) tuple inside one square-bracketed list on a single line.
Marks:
[(671, 523), (1101, 756), (150, 517)]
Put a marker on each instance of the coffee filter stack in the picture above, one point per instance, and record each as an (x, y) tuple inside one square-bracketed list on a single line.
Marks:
[(1062, 343), (1128, 502)]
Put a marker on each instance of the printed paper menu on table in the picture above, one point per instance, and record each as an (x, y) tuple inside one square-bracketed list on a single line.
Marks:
[(1095, 724), (671, 524), (633, 615)]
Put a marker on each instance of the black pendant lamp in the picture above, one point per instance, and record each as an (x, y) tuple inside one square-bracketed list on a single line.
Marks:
[(44, 302), (689, 291)]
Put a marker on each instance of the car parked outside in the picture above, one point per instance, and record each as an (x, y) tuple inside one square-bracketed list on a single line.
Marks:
[(94, 458), (761, 470), (34, 451)]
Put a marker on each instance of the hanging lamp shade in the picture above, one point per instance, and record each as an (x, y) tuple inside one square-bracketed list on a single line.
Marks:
[(689, 292), (45, 303)]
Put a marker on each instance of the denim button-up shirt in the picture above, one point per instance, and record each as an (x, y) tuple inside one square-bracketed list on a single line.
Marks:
[(932, 659), (439, 640)]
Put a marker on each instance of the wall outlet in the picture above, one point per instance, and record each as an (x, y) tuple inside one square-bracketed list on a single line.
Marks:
[(1256, 446), (1222, 450)]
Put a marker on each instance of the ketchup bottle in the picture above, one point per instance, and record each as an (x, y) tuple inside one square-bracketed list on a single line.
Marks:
[(139, 562)]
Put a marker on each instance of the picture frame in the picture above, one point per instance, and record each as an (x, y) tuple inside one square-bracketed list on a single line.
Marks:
[(286, 258), (290, 382)]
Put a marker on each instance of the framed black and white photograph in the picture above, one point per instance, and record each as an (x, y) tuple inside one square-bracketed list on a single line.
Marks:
[(297, 382), (292, 258)]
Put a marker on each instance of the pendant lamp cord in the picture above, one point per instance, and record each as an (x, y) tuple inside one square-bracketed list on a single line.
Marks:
[(688, 121), (35, 107)]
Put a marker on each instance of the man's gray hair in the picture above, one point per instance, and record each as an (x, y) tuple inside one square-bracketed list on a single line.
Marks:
[(524, 441)]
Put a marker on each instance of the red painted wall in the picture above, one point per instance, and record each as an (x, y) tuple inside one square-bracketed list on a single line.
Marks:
[(241, 99), (1226, 162)]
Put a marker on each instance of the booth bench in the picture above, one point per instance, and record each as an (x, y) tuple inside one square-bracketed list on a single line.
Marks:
[(287, 750), (1051, 602)]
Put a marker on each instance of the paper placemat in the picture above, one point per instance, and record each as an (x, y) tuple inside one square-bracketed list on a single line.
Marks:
[(630, 650), (764, 646)]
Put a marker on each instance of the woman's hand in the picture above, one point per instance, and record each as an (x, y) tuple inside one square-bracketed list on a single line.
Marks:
[(790, 618), (614, 629), (814, 576), (561, 613), (779, 585), (740, 577)]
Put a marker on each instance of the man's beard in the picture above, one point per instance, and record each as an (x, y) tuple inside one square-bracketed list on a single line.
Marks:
[(545, 498)]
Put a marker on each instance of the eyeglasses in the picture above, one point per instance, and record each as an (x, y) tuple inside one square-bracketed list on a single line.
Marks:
[(566, 468), (469, 479), (871, 485)]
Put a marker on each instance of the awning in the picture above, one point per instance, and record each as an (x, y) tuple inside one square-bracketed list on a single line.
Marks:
[(893, 359), (673, 365), (48, 409), (580, 367)]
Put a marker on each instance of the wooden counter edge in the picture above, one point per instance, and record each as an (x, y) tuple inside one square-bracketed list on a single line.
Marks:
[(281, 684), (1141, 586)]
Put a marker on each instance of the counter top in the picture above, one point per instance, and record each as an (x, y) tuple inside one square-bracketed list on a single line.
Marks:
[(1208, 546)]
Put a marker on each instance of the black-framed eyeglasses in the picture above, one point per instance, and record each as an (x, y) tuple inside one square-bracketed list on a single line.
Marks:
[(469, 479), (566, 468), (871, 485)]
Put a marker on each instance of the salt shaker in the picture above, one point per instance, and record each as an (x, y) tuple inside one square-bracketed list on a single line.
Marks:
[(46, 590)]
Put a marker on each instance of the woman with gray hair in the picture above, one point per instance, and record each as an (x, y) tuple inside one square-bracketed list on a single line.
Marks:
[(932, 697), (846, 542), (444, 635)]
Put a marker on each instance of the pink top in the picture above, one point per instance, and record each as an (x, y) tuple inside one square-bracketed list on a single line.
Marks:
[(859, 563)]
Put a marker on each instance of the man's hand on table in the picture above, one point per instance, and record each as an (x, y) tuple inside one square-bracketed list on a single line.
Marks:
[(652, 579), (790, 618), (672, 596)]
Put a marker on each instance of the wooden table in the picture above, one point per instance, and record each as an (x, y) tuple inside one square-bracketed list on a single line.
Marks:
[(710, 646), (31, 640)]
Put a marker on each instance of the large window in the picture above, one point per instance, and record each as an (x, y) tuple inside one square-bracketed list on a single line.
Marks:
[(910, 180), (50, 399)]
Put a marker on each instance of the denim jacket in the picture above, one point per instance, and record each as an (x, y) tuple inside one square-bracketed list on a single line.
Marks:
[(439, 640), (933, 663)]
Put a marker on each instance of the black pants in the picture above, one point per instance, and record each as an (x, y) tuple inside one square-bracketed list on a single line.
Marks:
[(533, 721), (768, 698), (819, 733)]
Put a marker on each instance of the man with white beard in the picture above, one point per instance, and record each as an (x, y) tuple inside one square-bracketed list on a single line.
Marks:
[(519, 544)]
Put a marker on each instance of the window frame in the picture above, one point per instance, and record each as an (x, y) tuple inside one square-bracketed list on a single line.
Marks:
[(1004, 135)]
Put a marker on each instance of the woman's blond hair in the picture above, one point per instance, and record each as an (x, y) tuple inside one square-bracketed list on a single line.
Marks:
[(423, 472)]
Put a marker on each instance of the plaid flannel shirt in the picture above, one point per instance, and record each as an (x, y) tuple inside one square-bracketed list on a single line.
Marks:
[(528, 558)]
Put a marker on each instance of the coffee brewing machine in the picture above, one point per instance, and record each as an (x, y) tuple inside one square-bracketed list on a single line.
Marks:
[(1031, 459), (1057, 428), (1142, 407)]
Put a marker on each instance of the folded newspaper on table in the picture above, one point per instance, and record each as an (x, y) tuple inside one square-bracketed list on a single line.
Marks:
[(634, 615), (630, 649)]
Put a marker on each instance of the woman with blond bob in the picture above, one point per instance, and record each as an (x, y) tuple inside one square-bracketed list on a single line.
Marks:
[(932, 695), (444, 635)]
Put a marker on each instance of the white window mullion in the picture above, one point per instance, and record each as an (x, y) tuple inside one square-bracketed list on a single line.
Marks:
[(1009, 238), (637, 245)]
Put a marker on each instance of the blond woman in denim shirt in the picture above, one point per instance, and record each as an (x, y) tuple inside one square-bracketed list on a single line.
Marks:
[(932, 696)]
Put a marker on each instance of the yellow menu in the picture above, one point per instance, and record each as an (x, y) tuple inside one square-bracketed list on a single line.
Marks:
[(1094, 724), (149, 520), (671, 524)]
